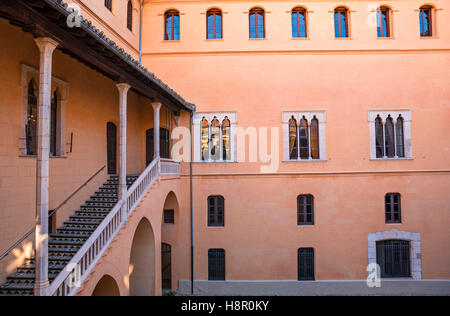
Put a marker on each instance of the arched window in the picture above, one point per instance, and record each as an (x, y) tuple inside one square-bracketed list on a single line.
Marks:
[(108, 4), (298, 18), (172, 25), (257, 17), (293, 143), (304, 139), (425, 17), (389, 137), (216, 210), (214, 24), (341, 22), (130, 16), (53, 124), (205, 139), (315, 138), (31, 127), (226, 138), (215, 139), (305, 209), (399, 137), (383, 22), (379, 137)]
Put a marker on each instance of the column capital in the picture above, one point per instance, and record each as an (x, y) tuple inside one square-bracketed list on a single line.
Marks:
[(123, 87), (156, 105), (46, 44)]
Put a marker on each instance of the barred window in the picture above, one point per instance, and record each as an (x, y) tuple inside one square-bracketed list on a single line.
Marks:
[(216, 265), (216, 211), (169, 217), (306, 264), (393, 256), (393, 208), (305, 209)]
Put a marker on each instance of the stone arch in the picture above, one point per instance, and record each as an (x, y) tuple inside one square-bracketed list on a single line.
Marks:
[(413, 238), (106, 286), (142, 260)]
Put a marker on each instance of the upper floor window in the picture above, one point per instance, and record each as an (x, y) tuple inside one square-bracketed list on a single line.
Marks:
[(392, 208), (108, 4), (298, 17), (305, 141), (341, 22), (214, 24), (305, 209), (383, 22), (215, 134), (257, 19), (216, 210), (390, 134), (130, 16), (172, 25), (426, 26), (216, 265)]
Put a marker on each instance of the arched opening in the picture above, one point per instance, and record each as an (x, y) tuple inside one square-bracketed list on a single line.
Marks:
[(142, 261), (107, 286), (169, 238)]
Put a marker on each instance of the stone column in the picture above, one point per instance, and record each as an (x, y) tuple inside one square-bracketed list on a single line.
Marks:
[(46, 47), (122, 189), (156, 119)]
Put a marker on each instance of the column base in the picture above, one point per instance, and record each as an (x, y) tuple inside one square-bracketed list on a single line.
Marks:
[(41, 288)]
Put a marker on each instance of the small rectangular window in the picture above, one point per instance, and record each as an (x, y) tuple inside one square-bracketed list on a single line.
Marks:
[(425, 22), (306, 264), (216, 265), (383, 24), (216, 211), (305, 210), (392, 208), (169, 217)]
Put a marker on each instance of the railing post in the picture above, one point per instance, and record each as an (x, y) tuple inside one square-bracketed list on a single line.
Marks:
[(46, 47), (122, 189)]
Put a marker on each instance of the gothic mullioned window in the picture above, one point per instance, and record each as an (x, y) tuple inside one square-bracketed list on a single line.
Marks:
[(216, 132), (299, 28), (214, 24), (341, 22), (172, 25), (226, 139), (256, 23), (304, 139), (205, 139), (293, 143)]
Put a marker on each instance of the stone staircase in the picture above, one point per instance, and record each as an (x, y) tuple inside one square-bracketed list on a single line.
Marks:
[(68, 239)]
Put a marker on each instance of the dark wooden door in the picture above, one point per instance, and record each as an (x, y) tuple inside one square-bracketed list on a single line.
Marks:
[(111, 131), (149, 146), (166, 265)]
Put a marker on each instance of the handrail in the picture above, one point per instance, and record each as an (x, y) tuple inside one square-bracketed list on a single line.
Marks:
[(70, 279), (7, 252)]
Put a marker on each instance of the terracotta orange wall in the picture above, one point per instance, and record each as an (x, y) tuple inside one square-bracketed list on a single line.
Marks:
[(261, 78), (92, 101), (114, 23)]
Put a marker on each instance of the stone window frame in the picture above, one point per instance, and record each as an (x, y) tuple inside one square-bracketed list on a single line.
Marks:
[(209, 116), (394, 113), (413, 238), (62, 87), (309, 115)]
